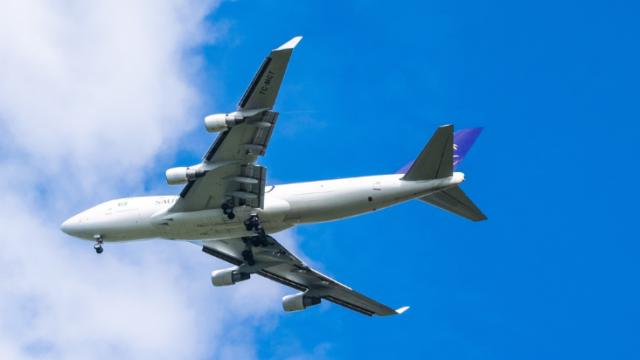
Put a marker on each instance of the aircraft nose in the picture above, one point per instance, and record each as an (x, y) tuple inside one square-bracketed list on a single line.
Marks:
[(66, 227)]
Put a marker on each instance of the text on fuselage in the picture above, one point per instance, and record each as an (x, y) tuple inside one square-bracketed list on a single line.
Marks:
[(267, 82)]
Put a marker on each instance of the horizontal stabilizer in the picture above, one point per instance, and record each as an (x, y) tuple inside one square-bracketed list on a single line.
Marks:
[(436, 159), (455, 201)]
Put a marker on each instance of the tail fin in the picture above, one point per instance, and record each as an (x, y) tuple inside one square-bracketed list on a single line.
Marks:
[(455, 201), (440, 158), (462, 142), (436, 159)]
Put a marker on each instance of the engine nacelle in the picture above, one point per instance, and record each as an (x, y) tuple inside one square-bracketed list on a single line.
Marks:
[(182, 175), (299, 302), (228, 277), (221, 122)]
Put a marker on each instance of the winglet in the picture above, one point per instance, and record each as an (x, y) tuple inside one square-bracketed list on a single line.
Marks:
[(402, 309), (290, 44)]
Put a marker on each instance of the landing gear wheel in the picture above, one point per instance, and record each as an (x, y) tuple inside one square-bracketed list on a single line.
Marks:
[(247, 255), (256, 241), (247, 222), (98, 245), (225, 206), (228, 210), (231, 216), (248, 227)]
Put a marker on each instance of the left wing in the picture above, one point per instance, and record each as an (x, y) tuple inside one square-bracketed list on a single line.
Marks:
[(228, 170), (276, 263)]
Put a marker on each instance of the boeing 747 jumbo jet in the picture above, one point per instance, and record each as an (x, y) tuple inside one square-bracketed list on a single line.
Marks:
[(226, 207)]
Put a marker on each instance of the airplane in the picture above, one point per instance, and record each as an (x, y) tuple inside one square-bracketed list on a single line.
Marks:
[(227, 208)]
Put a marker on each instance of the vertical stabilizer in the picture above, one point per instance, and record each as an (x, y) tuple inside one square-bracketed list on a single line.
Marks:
[(436, 159), (462, 142)]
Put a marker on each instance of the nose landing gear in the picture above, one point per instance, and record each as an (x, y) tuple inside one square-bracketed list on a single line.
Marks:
[(98, 245)]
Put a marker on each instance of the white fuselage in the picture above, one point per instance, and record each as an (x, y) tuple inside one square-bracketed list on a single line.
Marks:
[(285, 206)]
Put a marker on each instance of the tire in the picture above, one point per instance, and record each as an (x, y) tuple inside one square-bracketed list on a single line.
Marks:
[(251, 262), (247, 222), (231, 216), (227, 211), (248, 227), (225, 206), (99, 250)]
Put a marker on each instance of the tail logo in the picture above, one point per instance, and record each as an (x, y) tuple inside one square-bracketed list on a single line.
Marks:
[(463, 139), (456, 157)]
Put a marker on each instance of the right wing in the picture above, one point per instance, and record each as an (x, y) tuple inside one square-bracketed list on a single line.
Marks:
[(229, 165), (289, 270), (263, 90)]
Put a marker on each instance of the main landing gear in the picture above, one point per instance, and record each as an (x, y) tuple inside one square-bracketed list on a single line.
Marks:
[(98, 245), (227, 209), (253, 224)]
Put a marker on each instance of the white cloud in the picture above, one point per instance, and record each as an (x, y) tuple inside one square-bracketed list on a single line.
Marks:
[(90, 94)]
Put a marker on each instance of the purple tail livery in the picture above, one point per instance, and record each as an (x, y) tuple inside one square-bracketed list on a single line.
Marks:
[(462, 142)]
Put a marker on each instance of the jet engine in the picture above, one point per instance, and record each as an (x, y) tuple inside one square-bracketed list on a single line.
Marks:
[(299, 302), (228, 277), (182, 175), (222, 122)]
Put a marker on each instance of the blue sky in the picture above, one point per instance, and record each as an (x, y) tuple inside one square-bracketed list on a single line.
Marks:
[(552, 273)]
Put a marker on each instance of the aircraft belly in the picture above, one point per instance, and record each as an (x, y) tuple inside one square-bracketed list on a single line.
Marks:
[(351, 197), (214, 224)]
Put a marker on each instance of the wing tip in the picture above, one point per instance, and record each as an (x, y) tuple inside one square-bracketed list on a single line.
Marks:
[(290, 44), (402, 309)]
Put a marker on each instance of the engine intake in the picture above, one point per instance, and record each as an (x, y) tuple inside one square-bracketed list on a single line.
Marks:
[(299, 302), (222, 122), (182, 175), (228, 277)]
